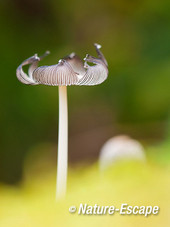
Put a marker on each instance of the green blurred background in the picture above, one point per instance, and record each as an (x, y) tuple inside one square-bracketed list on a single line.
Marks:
[(134, 100), (135, 36)]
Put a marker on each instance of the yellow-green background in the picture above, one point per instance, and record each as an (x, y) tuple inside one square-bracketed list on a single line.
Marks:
[(135, 99)]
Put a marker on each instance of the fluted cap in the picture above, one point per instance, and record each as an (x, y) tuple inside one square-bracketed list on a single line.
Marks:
[(69, 71)]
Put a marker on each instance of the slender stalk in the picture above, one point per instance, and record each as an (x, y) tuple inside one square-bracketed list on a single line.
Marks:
[(62, 144)]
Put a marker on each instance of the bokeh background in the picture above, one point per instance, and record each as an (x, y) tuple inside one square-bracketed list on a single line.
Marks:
[(135, 99)]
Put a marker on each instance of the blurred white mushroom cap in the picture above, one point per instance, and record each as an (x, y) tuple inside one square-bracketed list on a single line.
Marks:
[(120, 148)]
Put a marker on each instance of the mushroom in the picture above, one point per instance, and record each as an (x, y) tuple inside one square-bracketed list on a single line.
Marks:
[(70, 70), (120, 148)]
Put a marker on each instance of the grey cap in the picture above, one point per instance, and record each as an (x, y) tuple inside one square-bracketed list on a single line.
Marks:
[(69, 70)]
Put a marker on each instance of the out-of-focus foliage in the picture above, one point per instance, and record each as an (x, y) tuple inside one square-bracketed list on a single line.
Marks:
[(33, 203), (135, 99)]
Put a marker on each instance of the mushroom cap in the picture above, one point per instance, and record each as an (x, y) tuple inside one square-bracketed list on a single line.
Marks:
[(69, 71), (120, 148), (60, 74)]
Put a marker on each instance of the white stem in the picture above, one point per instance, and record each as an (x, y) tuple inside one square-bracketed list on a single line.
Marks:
[(62, 144)]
